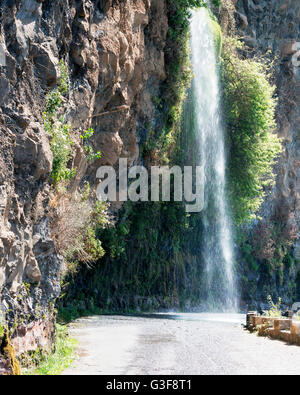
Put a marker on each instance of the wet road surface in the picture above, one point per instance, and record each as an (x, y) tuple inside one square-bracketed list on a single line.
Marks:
[(175, 344)]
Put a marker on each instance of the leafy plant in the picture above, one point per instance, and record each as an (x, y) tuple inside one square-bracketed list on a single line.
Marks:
[(60, 131), (250, 117), (54, 99), (75, 222), (217, 34), (274, 311), (87, 134), (55, 126), (53, 102), (88, 149), (2, 331), (61, 147), (64, 81), (2, 324), (62, 358)]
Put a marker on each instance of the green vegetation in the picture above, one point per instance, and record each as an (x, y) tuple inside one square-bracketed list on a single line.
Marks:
[(75, 218), (267, 258), (61, 142), (2, 325), (88, 149), (78, 308), (9, 352), (275, 309), (266, 262), (144, 265), (61, 147), (2, 331), (250, 116), (62, 358), (266, 251), (162, 145), (217, 34), (55, 126), (64, 83)]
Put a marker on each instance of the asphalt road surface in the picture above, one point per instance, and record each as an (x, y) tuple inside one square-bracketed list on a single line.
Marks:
[(177, 344)]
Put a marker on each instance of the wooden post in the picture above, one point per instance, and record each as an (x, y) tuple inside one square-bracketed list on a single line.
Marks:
[(276, 327)]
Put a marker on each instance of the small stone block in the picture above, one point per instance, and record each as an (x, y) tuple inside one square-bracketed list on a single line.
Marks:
[(295, 328)]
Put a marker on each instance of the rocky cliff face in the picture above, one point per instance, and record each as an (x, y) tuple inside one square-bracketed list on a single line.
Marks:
[(115, 53), (274, 26)]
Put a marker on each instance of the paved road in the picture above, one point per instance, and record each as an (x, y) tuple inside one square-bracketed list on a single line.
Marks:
[(177, 344)]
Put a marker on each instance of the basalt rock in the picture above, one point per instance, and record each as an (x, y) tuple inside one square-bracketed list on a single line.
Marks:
[(115, 54), (271, 25)]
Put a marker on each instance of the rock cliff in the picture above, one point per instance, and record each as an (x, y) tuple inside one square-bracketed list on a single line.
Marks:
[(273, 26), (114, 51)]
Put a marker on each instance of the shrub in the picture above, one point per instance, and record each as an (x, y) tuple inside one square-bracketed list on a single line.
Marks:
[(2, 331), (2, 324), (64, 81), (55, 126), (250, 116), (274, 311), (61, 359), (60, 131), (75, 221), (53, 102), (61, 147), (88, 149)]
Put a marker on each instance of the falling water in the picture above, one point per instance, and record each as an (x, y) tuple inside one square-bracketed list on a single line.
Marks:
[(219, 284)]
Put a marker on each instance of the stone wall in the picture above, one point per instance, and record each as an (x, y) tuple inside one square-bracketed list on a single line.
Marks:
[(285, 329)]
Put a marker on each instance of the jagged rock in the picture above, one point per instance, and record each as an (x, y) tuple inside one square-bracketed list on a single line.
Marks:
[(103, 44), (32, 270), (242, 21), (4, 89), (249, 41), (273, 25), (45, 63)]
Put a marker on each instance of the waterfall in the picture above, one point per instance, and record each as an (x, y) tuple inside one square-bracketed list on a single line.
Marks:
[(218, 280)]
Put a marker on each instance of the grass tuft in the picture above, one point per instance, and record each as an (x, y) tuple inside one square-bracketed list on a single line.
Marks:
[(62, 358)]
